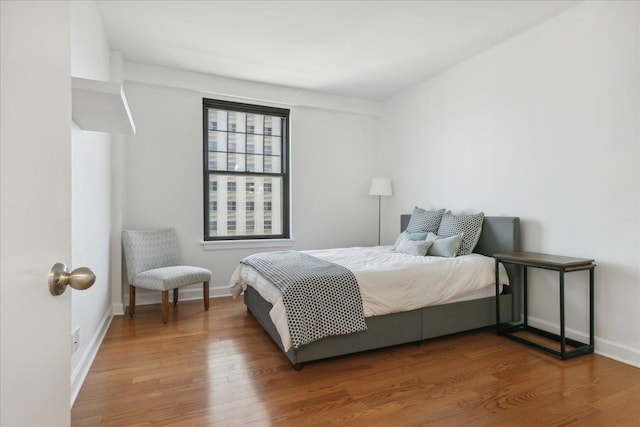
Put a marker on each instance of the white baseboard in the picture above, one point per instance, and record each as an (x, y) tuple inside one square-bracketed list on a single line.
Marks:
[(146, 297), (604, 347), (117, 309), (80, 373), (220, 292)]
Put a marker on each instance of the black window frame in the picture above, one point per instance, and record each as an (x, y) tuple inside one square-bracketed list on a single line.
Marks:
[(284, 174)]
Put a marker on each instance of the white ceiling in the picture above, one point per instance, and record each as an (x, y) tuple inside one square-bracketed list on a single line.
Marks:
[(364, 49)]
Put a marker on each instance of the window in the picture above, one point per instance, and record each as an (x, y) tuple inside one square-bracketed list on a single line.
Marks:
[(245, 164), (251, 141), (251, 164), (268, 166)]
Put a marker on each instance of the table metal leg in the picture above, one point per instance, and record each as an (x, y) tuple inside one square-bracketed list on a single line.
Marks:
[(498, 296), (525, 309), (591, 316), (563, 339)]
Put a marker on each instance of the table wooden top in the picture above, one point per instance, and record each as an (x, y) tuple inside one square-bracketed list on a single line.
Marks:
[(522, 257)]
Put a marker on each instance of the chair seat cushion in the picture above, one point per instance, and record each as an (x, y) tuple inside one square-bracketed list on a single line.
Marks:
[(166, 278)]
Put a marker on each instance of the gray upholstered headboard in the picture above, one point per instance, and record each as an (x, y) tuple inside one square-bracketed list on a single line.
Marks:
[(499, 234)]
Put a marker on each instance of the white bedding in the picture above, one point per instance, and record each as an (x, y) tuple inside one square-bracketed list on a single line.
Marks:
[(389, 282)]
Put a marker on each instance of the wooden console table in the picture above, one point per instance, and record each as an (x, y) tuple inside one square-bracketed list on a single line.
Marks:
[(563, 265)]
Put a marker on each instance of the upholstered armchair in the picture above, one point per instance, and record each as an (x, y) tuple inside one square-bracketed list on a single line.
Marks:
[(153, 262)]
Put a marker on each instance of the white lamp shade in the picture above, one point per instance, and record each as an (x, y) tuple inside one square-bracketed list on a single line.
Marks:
[(380, 187)]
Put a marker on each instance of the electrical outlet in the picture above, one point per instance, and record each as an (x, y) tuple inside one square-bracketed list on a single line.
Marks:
[(75, 340)]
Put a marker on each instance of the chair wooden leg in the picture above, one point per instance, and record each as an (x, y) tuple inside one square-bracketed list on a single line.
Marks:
[(132, 300), (175, 296), (205, 289), (165, 306)]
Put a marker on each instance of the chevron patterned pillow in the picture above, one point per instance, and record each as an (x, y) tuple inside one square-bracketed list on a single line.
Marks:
[(470, 225), (423, 221)]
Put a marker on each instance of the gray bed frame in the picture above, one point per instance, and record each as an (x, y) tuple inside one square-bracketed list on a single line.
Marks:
[(499, 234)]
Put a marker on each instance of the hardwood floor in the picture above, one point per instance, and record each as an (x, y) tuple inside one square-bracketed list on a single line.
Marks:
[(220, 368)]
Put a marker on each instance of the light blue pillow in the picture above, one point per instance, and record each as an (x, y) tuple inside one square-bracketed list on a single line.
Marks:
[(414, 247), (444, 246), (408, 236)]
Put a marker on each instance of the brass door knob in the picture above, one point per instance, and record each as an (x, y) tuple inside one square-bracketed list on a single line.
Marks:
[(59, 277)]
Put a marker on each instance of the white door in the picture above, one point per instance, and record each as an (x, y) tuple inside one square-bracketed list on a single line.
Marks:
[(35, 129)]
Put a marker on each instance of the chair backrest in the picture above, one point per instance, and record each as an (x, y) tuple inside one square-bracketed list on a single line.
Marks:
[(149, 249)]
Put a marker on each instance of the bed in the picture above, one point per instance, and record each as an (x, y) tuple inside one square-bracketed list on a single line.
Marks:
[(499, 234)]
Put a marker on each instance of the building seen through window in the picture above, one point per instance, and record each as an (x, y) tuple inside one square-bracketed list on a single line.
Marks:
[(246, 171)]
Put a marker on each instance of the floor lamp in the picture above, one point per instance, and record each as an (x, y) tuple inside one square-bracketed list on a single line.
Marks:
[(380, 187)]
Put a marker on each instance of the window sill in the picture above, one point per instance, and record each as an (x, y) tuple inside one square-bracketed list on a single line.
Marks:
[(246, 244)]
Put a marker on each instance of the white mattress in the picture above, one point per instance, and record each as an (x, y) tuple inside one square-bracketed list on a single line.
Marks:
[(389, 282)]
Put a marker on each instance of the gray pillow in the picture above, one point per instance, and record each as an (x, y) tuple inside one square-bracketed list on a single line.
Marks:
[(423, 221), (408, 236), (414, 247), (444, 246), (470, 225)]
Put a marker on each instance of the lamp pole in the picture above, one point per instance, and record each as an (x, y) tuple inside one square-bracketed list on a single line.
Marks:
[(380, 187), (379, 208)]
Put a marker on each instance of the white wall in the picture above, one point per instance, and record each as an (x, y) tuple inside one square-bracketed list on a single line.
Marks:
[(544, 127), (91, 196), (332, 164)]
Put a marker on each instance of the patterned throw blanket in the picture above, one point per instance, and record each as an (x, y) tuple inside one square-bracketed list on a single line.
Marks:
[(320, 298)]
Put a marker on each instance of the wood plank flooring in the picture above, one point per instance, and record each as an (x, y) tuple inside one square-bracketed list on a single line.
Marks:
[(219, 368)]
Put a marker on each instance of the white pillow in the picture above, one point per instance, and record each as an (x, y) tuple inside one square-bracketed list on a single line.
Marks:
[(414, 247), (408, 236)]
